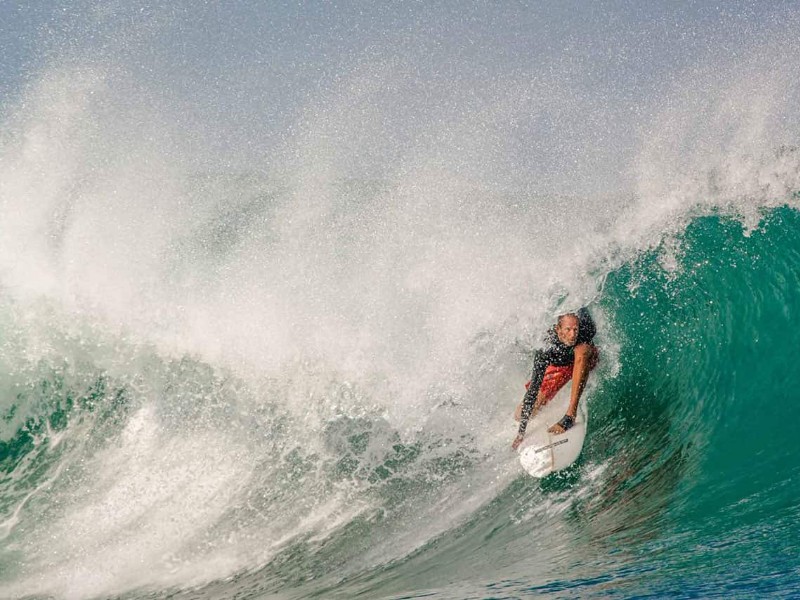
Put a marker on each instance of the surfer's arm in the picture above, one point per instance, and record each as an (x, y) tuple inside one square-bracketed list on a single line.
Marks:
[(529, 401), (580, 374)]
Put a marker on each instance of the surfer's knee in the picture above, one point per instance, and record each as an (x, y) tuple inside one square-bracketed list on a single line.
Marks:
[(518, 412)]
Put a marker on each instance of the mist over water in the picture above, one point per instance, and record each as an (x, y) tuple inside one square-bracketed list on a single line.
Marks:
[(270, 278)]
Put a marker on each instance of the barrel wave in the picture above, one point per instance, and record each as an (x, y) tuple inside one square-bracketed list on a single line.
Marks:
[(269, 297), (114, 455)]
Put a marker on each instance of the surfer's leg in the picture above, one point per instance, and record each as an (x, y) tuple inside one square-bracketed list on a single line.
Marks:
[(554, 379)]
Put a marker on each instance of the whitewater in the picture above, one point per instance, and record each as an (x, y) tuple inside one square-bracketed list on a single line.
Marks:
[(271, 279)]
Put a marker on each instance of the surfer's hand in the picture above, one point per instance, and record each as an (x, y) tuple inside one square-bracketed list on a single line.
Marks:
[(566, 422), (517, 441)]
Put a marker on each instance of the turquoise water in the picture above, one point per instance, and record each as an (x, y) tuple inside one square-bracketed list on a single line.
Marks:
[(687, 486)]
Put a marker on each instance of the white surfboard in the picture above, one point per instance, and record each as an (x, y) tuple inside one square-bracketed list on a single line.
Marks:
[(542, 452)]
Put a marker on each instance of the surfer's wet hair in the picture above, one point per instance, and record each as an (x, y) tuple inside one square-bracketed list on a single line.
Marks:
[(569, 314)]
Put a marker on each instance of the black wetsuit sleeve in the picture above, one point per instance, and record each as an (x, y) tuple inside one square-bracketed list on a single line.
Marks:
[(540, 362)]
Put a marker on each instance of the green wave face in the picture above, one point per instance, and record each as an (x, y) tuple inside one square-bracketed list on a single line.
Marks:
[(708, 344), (704, 402)]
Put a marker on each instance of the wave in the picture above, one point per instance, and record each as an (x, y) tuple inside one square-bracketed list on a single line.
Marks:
[(281, 358), (175, 465)]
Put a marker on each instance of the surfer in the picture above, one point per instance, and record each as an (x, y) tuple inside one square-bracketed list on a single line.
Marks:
[(569, 352)]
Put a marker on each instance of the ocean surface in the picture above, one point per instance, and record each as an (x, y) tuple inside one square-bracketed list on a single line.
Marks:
[(265, 315)]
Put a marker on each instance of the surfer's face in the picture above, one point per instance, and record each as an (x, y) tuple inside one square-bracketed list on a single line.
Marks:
[(567, 330)]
